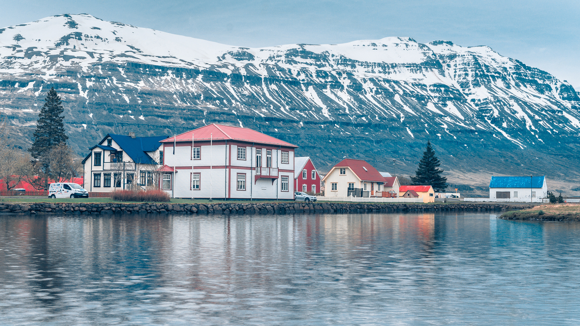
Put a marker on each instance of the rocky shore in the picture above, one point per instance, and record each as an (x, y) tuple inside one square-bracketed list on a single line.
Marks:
[(246, 208)]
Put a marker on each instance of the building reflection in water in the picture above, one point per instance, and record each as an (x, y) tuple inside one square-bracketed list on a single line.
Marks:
[(201, 265)]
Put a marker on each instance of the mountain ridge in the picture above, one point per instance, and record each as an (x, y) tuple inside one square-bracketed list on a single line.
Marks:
[(375, 99)]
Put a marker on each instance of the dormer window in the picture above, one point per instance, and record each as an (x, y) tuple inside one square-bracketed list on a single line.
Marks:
[(342, 171), (109, 142)]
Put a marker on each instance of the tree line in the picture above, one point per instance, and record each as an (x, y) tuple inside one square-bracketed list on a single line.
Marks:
[(48, 159)]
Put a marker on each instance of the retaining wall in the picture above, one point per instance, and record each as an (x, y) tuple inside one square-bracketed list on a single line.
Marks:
[(245, 208)]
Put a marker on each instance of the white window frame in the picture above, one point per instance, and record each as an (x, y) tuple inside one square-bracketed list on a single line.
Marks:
[(285, 183), (304, 174), (342, 171), (313, 173), (196, 153), (313, 189), (166, 178), (241, 182), (334, 186), (285, 157), (241, 153), (195, 183), (304, 188), (515, 194)]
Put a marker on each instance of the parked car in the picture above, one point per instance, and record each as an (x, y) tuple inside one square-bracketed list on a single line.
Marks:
[(302, 196), (20, 191), (66, 190)]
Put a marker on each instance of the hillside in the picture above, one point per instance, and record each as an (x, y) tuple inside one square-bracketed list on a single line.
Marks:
[(380, 100)]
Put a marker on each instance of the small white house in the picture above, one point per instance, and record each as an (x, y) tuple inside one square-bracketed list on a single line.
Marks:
[(518, 189), (122, 162), (355, 178), (218, 161)]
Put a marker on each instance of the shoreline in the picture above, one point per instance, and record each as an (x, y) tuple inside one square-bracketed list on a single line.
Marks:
[(278, 208), (549, 212)]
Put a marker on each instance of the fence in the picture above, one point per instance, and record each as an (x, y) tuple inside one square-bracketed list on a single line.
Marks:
[(24, 193)]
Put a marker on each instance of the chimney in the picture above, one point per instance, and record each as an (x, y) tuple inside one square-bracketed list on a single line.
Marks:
[(132, 134)]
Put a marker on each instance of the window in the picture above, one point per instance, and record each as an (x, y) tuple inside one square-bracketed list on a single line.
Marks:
[(342, 171), (116, 157), (130, 178), (502, 194), (334, 186), (304, 188), (97, 180), (106, 179), (166, 184), (285, 183), (313, 174), (98, 158), (285, 157), (431, 195), (351, 186), (533, 194), (241, 181), (160, 157), (196, 153), (195, 181), (304, 174), (109, 142), (149, 178), (365, 186), (313, 189), (66, 187), (241, 153), (117, 179), (269, 158), (515, 194), (143, 178)]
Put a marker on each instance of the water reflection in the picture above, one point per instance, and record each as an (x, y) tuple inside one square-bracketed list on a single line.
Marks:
[(303, 269)]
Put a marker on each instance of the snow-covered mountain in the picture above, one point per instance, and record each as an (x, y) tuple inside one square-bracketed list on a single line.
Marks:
[(373, 99)]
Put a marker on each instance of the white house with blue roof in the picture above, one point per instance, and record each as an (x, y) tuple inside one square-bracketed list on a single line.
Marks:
[(123, 162), (518, 189)]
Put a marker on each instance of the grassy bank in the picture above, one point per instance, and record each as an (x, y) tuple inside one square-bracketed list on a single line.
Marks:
[(548, 212)]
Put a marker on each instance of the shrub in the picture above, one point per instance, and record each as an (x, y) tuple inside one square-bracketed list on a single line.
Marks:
[(541, 213), (145, 196)]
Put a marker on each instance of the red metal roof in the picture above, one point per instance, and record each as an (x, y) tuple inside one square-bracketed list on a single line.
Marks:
[(415, 188), (389, 181), (221, 132), (363, 170), (412, 192), (165, 168)]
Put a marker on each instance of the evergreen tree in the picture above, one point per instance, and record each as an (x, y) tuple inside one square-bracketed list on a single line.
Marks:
[(428, 172), (49, 131), (48, 135)]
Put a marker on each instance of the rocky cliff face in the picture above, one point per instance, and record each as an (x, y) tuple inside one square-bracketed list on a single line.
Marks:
[(378, 100)]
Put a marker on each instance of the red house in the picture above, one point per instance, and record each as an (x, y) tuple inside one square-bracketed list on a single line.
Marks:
[(306, 176)]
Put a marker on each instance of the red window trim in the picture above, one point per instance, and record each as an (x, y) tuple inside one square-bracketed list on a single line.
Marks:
[(246, 156), (191, 181), (282, 177), (246, 180), (191, 154)]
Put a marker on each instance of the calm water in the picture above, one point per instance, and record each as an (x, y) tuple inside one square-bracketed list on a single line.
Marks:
[(373, 269)]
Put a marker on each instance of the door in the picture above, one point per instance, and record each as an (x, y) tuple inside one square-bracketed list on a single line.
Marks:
[(66, 191), (372, 189)]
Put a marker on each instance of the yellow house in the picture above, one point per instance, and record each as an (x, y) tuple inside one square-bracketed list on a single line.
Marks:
[(425, 192)]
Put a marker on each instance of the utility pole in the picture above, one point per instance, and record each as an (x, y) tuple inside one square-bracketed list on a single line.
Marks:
[(531, 187)]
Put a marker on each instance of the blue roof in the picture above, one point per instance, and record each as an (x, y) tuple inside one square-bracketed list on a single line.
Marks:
[(107, 148), (517, 182), (137, 147)]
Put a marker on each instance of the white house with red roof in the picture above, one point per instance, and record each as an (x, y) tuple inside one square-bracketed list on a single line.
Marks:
[(426, 193), (306, 176), (223, 162), (353, 178)]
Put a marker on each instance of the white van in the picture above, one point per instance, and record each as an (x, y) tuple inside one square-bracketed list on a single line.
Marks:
[(66, 190)]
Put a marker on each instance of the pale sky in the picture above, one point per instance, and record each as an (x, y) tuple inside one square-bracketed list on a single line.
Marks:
[(542, 34)]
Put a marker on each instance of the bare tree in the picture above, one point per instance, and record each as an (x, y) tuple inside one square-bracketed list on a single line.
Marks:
[(15, 165), (62, 163)]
